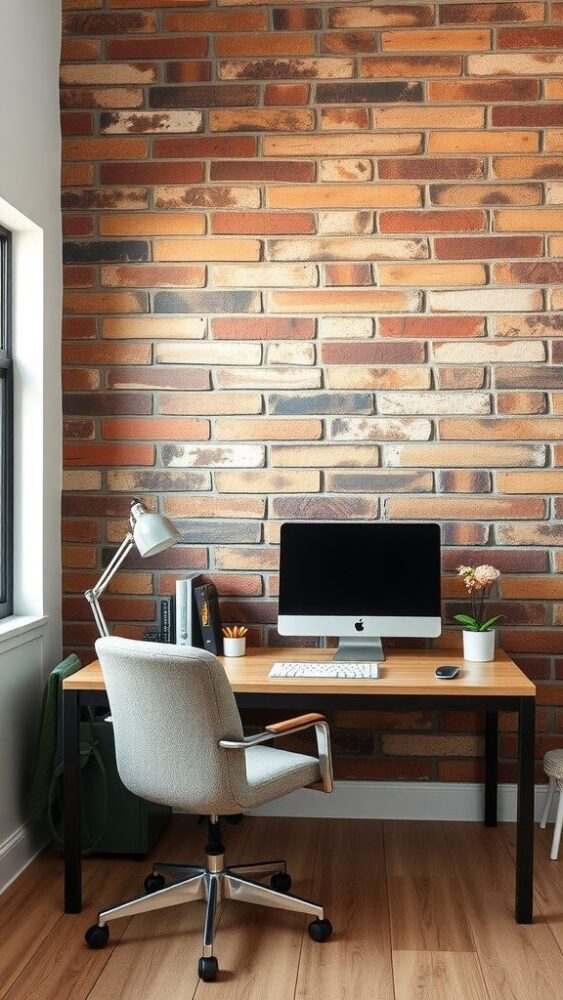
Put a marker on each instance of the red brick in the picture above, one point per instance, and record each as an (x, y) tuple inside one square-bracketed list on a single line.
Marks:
[(94, 455), (77, 276), (349, 41), (380, 16), (490, 13), (262, 328), (217, 20), (152, 275), (73, 174), (487, 247), (307, 18), (151, 173), (78, 428), (79, 328), (187, 72), (285, 94), (413, 67), (484, 90), (428, 327), (160, 47), (372, 353), (108, 24), (348, 274), (196, 147), (80, 378), (258, 170), (106, 354), (530, 38), (80, 531), (81, 49), (531, 114), (263, 223), (76, 123), (432, 168), (437, 222), (155, 429), (77, 225)]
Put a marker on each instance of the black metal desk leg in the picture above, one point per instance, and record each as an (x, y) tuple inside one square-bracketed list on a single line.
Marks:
[(524, 902), (491, 767), (71, 778)]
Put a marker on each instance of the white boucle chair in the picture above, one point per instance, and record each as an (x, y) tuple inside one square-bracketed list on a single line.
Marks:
[(179, 741), (553, 767)]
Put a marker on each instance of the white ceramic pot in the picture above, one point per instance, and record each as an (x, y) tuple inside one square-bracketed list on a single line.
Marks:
[(234, 647), (479, 646)]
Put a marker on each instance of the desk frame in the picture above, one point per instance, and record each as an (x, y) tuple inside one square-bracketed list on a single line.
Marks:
[(491, 705)]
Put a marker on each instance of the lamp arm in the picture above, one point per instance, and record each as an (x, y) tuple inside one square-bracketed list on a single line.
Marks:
[(93, 595), (113, 565)]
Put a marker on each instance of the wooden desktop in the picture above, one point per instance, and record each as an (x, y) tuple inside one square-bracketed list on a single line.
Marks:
[(407, 682)]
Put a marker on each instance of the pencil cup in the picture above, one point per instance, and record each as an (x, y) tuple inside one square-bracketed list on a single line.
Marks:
[(234, 647)]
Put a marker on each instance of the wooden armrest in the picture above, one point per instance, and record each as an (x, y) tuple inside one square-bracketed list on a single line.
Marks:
[(301, 720)]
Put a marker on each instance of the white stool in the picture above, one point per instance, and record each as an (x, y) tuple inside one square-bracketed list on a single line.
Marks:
[(553, 767)]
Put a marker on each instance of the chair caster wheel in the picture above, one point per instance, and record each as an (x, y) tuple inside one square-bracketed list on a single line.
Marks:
[(320, 930), (235, 818), (96, 936), (154, 882), (207, 969), (281, 881)]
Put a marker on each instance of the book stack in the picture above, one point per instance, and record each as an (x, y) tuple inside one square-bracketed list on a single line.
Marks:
[(190, 617)]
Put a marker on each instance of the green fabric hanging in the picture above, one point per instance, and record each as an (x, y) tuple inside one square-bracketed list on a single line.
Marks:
[(45, 758)]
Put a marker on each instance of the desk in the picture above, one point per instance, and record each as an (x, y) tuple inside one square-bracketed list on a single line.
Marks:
[(407, 682)]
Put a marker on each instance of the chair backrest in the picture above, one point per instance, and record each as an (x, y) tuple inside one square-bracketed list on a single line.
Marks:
[(170, 706)]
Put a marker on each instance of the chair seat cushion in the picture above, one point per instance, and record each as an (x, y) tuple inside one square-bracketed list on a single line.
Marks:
[(553, 763), (271, 773)]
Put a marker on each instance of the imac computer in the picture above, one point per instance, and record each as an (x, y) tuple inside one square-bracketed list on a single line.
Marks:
[(359, 582)]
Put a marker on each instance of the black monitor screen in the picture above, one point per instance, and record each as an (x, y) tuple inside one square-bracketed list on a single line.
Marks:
[(360, 569)]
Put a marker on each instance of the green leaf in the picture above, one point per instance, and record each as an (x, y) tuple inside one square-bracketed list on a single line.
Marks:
[(487, 625), (469, 623)]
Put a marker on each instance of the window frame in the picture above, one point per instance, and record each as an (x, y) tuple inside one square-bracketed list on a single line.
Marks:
[(6, 428)]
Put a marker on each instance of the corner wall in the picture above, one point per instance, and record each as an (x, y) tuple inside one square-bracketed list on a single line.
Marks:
[(29, 203), (313, 267)]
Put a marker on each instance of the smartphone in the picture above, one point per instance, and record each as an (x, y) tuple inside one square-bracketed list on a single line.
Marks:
[(446, 673)]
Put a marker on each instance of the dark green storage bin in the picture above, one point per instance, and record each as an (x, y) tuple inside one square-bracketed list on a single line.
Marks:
[(129, 825)]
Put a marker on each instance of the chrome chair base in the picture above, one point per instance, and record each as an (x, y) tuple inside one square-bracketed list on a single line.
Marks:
[(212, 882)]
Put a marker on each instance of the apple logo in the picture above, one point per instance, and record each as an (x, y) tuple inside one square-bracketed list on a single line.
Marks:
[(359, 626)]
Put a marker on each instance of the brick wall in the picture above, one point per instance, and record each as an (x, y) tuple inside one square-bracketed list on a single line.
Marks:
[(313, 269)]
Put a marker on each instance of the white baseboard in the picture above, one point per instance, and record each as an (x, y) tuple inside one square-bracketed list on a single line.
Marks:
[(19, 849), (400, 800)]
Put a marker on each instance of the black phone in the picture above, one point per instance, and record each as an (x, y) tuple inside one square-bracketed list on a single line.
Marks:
[(446, 673)]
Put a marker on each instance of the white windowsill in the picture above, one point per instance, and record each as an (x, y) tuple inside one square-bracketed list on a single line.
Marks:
[(17, 625)]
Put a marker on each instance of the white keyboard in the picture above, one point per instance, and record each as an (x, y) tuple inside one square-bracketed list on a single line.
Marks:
[(355, 671)]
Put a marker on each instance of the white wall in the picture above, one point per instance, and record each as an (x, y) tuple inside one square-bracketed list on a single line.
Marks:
[(29, 205)]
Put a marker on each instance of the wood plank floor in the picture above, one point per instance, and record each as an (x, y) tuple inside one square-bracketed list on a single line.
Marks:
[(420, 912)]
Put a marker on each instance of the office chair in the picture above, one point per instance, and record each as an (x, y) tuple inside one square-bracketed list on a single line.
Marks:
[(179, 741)]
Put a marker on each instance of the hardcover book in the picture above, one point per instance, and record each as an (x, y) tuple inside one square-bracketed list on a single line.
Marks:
[(187, 621), (207, 601)]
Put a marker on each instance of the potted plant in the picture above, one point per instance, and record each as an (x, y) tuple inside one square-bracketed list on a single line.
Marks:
[(478, 631)]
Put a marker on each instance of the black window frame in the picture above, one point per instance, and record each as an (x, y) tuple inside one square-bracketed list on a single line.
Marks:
[(6, 428)]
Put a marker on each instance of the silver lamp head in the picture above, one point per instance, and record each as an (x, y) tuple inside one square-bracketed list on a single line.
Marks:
[(152, 533)]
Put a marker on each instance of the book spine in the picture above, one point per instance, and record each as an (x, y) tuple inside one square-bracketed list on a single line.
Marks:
[(181, 613), (164, 620), (172, 627), (209, 620)]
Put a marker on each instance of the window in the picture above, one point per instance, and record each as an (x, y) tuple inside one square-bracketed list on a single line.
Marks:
[(6, 428)]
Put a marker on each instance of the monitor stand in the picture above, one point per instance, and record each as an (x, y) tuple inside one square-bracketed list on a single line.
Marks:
[(363, 648)]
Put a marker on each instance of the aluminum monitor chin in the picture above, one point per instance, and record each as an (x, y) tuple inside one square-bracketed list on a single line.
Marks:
[(360, 582)]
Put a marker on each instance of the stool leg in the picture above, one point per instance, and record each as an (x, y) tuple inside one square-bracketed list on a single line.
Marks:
[(548, 801), (558, 826)]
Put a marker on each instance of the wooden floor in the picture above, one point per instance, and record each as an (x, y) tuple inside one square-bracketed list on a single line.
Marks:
[(420, 912)]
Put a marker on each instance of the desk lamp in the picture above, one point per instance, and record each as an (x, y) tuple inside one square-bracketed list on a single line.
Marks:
[(151, 534)]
